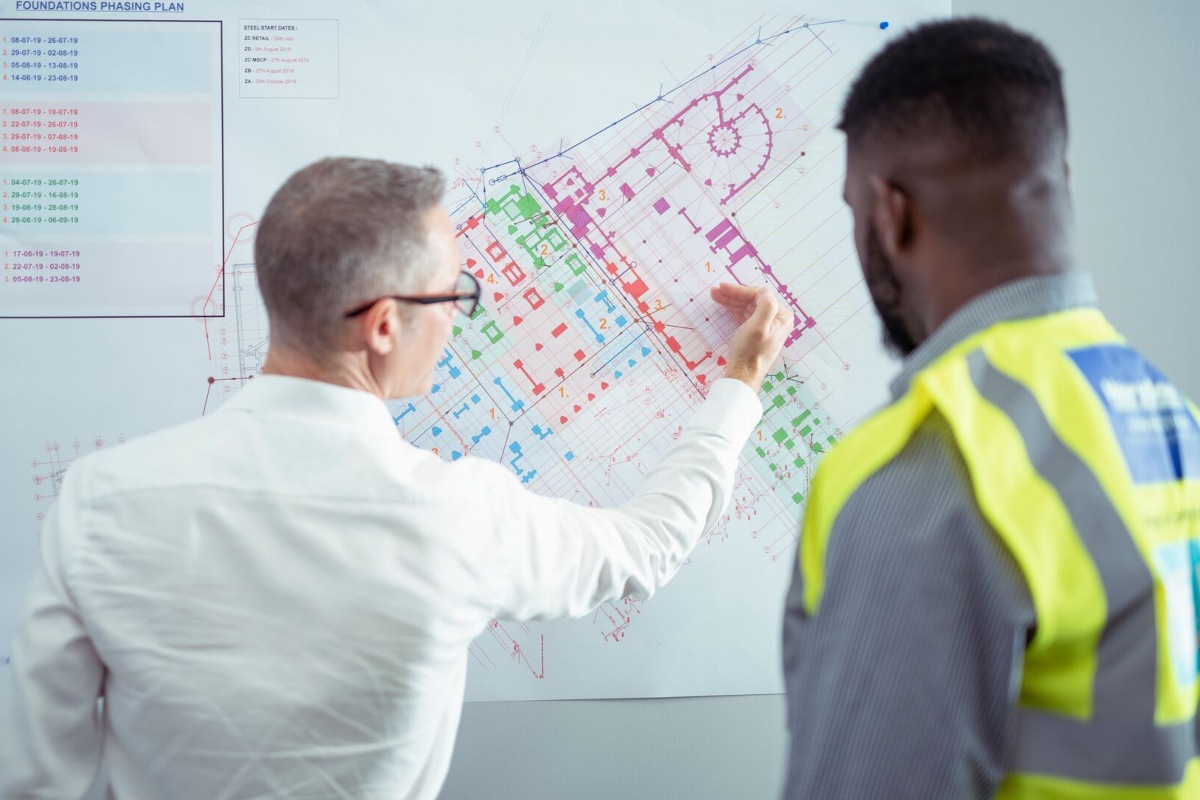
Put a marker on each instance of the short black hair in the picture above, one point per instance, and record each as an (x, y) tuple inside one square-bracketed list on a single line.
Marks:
[(979, 85)]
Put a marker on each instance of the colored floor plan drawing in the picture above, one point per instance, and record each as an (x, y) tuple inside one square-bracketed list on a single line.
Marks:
[(605, 169), (596, 337)]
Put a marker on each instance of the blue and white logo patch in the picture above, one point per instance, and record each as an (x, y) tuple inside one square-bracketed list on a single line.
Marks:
[(1150, 417)]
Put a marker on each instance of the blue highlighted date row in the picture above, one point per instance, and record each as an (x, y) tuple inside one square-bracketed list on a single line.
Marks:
[(119, 57)]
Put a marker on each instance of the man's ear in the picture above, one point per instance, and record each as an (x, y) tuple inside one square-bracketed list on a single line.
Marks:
[(378, 326), (892, 214)]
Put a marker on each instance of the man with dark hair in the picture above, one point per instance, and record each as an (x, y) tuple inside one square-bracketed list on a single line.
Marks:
[(277, 600), (997, 583)]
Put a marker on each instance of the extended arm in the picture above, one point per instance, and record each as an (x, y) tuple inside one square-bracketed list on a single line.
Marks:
[(565, 559)]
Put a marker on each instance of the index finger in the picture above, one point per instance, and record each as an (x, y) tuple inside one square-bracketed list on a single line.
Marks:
[(734, 292)]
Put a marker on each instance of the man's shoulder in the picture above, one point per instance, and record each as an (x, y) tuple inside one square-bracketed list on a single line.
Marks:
[(927, 465), (146, 459), (880, 450), (239, 451), (925, 480), (918, 509)]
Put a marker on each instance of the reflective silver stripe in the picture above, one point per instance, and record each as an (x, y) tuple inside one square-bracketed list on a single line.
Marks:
[(1120, 743)]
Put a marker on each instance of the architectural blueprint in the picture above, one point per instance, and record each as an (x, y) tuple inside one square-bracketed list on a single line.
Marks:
[(605, 165)]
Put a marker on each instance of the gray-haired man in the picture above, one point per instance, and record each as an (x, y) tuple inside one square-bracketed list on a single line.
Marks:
[(293, 621)]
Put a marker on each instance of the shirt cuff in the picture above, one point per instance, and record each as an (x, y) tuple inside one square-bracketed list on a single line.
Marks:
[(731, 411)]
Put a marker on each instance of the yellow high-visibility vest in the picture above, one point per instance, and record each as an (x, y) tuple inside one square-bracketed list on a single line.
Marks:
[(1086, 462)]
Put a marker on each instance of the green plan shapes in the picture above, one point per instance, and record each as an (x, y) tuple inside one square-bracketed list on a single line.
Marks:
[(492, 331), (538, 261), (555, 239), (540, 244), (803, 416), (520, 206), (475, 354), (528, 207), (779, 435), (791, 391), (799, 462), (789, 444), (558, 287), (767, 386), (832, 441), (576, 264), (515, 204), (478, 312), (778, 401), (456, 331), (797, 498), (816, 448), (806, 430), (761, 453)]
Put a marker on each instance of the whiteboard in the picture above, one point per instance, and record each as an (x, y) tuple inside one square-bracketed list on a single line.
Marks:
[(606, 165)]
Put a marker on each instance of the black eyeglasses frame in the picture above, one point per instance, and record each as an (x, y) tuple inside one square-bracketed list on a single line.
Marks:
[(431, 299)]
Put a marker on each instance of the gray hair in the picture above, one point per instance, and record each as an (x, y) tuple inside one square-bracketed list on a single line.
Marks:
[(340, 233)]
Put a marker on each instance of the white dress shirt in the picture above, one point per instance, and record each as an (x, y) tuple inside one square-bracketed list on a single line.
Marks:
[(277, 600)]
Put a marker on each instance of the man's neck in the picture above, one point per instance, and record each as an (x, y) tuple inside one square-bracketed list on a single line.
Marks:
[(975, 281), (281, 361)]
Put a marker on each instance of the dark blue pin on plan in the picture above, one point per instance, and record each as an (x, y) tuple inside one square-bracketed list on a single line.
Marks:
[(883, 26)]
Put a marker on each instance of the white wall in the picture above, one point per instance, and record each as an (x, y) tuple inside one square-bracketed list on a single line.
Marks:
[(1133, 97), (1133, 94)]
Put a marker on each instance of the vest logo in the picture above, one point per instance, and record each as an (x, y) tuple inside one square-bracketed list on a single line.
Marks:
[(1149, 415), (1142, 397)]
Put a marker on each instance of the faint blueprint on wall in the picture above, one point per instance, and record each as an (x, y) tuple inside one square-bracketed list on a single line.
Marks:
[(607, 166)]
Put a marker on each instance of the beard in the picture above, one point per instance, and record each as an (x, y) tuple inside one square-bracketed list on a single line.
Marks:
[(886, 292)]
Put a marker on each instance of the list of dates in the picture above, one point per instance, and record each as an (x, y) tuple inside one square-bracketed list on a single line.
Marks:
[(37, 59), (49, 130), (42, 266), (110, 166), (33, 201)]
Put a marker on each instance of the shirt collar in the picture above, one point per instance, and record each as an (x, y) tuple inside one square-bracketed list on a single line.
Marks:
[(300, 398), (1020, 299)]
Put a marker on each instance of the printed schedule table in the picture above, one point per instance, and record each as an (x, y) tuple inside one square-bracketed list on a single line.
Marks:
[(111, 169)]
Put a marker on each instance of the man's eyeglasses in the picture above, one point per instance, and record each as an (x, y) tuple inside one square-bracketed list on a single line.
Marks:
[(465, 296)]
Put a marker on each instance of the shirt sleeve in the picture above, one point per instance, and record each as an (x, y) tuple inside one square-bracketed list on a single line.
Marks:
[(904, 684), (565, 559), (50, 728)]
